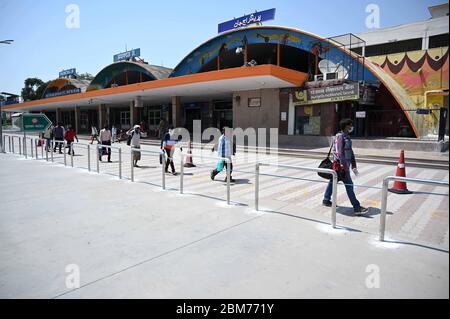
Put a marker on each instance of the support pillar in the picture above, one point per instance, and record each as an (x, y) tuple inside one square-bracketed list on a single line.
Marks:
[(77, 119), (176, 111), (133, 114), (58, 116), (101, 116)]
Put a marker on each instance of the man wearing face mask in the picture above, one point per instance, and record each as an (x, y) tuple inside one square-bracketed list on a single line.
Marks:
[(225, 149), (168, 145), (343, 158)]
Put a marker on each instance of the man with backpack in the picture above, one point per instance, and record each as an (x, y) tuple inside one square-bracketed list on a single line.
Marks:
[(343, 159)]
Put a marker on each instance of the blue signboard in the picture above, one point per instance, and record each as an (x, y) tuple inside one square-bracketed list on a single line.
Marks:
[(65, 92), (67, 72), (127, 55), (247, 20)]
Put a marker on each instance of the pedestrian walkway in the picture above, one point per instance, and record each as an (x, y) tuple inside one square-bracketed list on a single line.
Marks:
[(133, 240)]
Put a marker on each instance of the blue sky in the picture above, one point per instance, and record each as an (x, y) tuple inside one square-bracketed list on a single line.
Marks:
[(166, 31)]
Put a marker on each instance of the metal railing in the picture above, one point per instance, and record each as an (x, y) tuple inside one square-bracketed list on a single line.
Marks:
[(304, 168), (55, 144), (87, 146), (183, 156), (384, 193), (163, 157), (97, 154)]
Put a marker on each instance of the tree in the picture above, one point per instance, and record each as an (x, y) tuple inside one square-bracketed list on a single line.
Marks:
[(33, 89), (85, 76)]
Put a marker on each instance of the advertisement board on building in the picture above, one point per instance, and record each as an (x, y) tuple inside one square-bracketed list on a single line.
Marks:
[(327, 94)]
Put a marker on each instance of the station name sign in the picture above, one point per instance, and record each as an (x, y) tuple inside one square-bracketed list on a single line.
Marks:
[(246, 20), (327, 94), (127, 55), (60, 93), (68, 72)]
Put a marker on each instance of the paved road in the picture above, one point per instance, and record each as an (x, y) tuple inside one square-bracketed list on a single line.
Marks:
[(171, 241)]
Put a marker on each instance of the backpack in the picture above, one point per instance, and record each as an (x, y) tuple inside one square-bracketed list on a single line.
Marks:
[(129, 139)]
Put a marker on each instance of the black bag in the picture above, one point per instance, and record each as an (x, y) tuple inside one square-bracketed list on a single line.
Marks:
[(326, 163), (129, 139)]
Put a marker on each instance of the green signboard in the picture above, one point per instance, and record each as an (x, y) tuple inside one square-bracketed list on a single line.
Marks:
[(34, 122)]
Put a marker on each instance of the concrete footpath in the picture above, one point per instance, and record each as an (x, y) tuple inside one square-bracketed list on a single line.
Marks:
[(133, 240)]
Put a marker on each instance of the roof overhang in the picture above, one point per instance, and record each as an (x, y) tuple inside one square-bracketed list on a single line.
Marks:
[(161, 91)]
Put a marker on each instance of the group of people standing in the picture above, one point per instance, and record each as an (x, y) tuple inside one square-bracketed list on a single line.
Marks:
[(58, 134)]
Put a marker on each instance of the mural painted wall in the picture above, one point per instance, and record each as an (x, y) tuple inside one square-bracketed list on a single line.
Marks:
[(208, 51), (419, 72)]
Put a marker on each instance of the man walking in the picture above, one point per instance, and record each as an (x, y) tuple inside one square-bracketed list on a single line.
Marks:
[(114, 133), (58, 134), (168, 145), (105, 139), (134, 140), (224, 150), (48, 136), (343, 158), (70, 136)]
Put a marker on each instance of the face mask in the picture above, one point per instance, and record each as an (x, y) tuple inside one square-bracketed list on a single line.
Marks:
[(351, 129)]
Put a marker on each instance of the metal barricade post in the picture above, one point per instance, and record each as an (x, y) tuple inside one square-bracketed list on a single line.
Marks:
[(89, 157), (101, 146), (384, 194), (71, 154), (312, 169), (133, 150), (51, 150), (207, 157)]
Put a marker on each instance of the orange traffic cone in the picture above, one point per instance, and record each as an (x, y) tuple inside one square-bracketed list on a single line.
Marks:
[(189, 161), (400, 187)]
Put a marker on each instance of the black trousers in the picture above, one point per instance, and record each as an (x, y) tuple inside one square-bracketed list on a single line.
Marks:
[(69, 146), (58, 142), (169, 161), (106, 150)]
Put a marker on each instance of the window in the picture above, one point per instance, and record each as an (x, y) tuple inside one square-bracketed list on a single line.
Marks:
[(125, 122), (154, 117), (394, 47), (254, 102), (437, 41), (84, 120)]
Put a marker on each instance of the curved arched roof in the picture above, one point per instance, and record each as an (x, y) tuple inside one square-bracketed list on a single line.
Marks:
[(106, 75), (324, 48), (63, 84)]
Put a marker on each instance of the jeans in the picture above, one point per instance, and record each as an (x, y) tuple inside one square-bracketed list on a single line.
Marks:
[(169, 161), (347, 180)]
